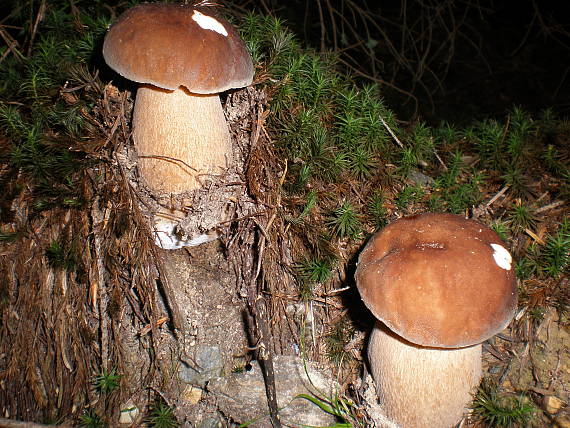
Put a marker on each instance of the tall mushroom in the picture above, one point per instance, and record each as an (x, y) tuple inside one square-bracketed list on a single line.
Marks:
[(439, 285), (183, 56)]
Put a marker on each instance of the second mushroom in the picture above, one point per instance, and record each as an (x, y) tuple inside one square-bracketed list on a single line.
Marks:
[(439, 285)]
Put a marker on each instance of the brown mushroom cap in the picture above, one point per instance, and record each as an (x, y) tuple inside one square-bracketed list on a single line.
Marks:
[(172, 45), (438, 280)]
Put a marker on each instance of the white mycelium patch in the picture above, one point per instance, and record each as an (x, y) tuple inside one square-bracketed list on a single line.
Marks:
[(502, 256), (209, 23), (166, 235)]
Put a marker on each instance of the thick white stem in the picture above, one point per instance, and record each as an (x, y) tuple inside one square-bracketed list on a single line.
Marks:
[(180, 138), (422, 387)]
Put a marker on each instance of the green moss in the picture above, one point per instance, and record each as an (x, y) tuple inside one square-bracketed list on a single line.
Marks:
[(499, 410), (344, 221)]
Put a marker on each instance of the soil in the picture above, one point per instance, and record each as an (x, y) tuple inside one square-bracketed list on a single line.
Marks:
[(542, 366), (212, 340)]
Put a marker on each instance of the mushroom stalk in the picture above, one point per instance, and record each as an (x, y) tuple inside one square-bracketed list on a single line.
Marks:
[(422, 387), (180, 138)]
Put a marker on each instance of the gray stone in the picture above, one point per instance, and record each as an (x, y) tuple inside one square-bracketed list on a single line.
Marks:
[(210, 423), (420, 178), (242, 396), (209, 364)]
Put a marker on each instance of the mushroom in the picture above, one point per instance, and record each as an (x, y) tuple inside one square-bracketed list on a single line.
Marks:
[(183, 56), (439, 285)]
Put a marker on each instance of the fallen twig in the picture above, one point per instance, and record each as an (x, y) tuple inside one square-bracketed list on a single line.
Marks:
[(391, 132)]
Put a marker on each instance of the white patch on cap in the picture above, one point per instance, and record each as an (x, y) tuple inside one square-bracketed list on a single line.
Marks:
[(502, 256), (209, 23)]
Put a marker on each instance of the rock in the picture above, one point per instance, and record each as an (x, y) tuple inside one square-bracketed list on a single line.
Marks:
[(562, 422), (552, 404), (420, 178), (129, 414), (242, 397), (210, 423), (209, 364), (191, 394)]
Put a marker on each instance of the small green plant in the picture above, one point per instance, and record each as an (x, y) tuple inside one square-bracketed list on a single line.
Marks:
[(312, 200), (463, 197), (536, 314), (340, 407), (496, 410), (11, 121), (517, 139), (489, 136), (9, 236), (361, 163), (518, 181), (376, 210), (551, 259), (336, 341), (107, 381), (61, 256), (344, 222), (422, 142), (38, 124), (303, 175), (458, 191), (556, 254), (325, 123), (161, 416), (350, 127), (435, 203), (315, 271), (90, 419), (525, 267), (447, 133), (521, 217), (449, 177), (548, 120), (409, 195), (408, 161), (501, 229), (553, 159)]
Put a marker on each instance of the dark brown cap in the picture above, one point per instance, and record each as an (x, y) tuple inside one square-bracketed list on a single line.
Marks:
[(171, 45), (438, 280)]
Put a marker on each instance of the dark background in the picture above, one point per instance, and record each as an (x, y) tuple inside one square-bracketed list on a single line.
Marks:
[(479, 57), (438, 60)]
